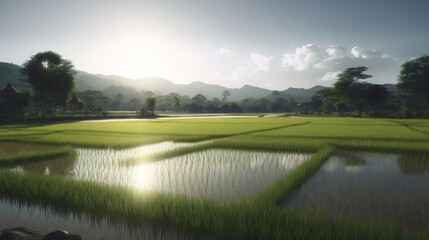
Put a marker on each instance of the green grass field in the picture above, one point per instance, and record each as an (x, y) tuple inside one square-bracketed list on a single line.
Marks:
[(260, 217)]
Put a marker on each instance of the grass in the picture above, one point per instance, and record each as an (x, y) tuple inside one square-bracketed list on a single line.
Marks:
[(12, 154), (134, 133), (277, 192), (257, 218)]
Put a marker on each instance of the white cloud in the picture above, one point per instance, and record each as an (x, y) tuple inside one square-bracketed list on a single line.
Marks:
[(257, 63), (239, 73), (313, 56), (307, 66), (324, 63), (359, 52), (336, 52), (329, 76), (262, 63), (303, 57), (222, 51)]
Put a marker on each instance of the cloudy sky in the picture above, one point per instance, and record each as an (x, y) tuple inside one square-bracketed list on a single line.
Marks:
[(270, 44)]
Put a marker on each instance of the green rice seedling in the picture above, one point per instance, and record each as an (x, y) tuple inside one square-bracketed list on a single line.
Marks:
[(17, 153), (279, 190), (226, 174), (134, 133)]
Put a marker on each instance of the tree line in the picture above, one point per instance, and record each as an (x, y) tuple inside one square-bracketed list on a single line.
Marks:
[(52, 79)]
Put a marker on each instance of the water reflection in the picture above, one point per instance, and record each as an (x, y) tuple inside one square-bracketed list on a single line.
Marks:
[(414, 165), (58, 166), (218, 174), (351, 160), (379, 187), (47, 218)]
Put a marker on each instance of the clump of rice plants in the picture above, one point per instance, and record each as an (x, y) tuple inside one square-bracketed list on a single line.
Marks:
[(13, 153), (278, 191)]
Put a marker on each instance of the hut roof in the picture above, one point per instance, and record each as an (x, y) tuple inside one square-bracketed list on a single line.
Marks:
[(9, 90), (75, 100)]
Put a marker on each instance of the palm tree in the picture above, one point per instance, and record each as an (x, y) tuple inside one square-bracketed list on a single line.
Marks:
[(151, 104)]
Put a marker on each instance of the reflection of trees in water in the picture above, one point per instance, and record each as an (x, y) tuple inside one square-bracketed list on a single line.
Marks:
[(352, 159), (59, 166), (413, 164)]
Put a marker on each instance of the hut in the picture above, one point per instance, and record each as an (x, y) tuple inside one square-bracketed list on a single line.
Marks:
[(12, 102), (75, 103), (8, 91)]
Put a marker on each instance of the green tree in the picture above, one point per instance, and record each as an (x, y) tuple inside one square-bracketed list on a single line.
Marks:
[(199, 103), (316, 102), (414, 80), (177, 103), (52, 78), (225, 95), (95, 101), (376, 95), (350, 90), (118, 101), (150, 104)]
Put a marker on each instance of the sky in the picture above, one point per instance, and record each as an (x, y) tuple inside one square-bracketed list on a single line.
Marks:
[(269, 44)]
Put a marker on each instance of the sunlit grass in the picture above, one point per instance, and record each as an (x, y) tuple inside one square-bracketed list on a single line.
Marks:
[(277, 192), (12, 153), (353, 129)]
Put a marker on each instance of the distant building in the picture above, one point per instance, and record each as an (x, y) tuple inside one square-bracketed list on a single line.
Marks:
[(8, 91), (74, 103), (12, 102)]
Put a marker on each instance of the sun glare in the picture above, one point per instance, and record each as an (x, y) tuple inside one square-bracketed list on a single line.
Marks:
[(143, 176), (145, 55)]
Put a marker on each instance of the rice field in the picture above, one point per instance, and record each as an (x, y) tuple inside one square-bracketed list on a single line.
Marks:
[(371, 187), (241, 178), (216, 174)]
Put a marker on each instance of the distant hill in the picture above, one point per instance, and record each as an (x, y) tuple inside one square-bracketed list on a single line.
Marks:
[(86, 81), (302, 92), (130, 88), (164, 86), (11, 73)]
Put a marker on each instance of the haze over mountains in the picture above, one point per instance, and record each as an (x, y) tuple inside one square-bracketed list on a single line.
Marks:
[(86, 81)]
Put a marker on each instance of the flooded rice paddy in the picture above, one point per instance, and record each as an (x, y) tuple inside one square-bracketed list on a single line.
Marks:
[(370, 186), (223, 175), (216, 174), (366, 186)]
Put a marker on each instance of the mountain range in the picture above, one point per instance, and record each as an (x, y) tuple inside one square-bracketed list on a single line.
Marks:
[(113, 85), (85, 81)]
